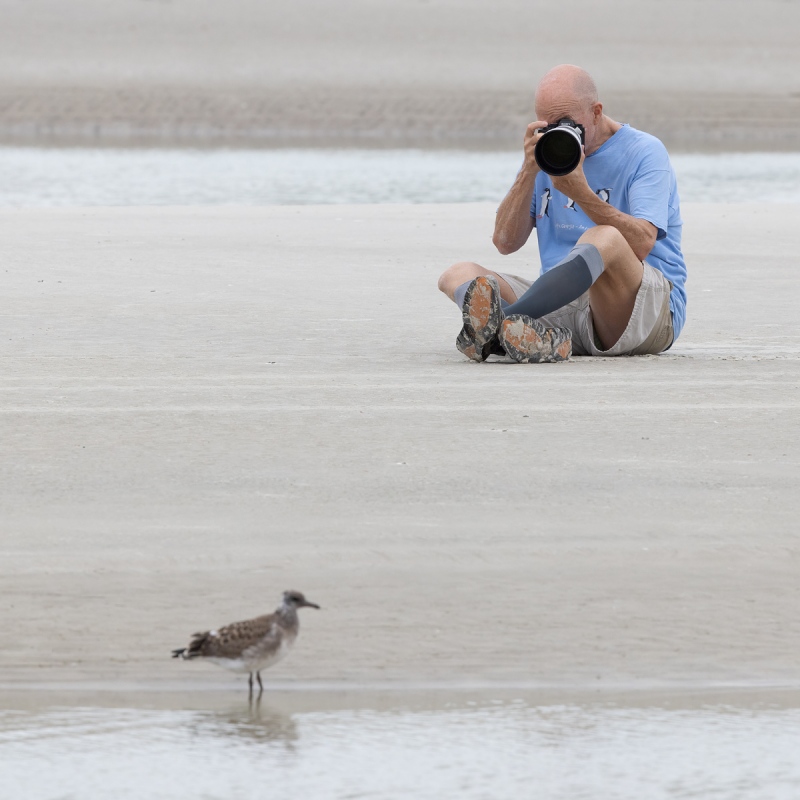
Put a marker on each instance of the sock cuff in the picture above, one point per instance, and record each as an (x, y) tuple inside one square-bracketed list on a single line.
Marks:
[(591, 255), (461, 292)]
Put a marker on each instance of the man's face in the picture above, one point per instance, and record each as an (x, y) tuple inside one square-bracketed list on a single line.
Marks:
[(554, 107)]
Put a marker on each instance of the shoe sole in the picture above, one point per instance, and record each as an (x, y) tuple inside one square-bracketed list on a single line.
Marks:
[(466, 344), (482, 312), (527, 341)]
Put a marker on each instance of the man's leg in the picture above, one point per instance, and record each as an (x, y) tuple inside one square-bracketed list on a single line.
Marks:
[(613, 295), (561, 284), (480, 294), (601, 263), (455, 280)]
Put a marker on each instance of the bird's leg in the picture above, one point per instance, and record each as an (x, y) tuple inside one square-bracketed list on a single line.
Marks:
[(260, 685), (250, 684)]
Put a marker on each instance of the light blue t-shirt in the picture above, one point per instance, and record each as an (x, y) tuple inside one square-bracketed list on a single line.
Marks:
[(633, 173)]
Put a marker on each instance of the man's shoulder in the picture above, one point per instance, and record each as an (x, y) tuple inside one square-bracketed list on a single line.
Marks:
[(635, 151), (643, 141)]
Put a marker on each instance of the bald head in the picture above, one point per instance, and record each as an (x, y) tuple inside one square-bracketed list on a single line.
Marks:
[(566, 87), (569, 91)]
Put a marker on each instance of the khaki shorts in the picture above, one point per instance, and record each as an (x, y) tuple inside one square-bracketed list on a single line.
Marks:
[(649, 330)]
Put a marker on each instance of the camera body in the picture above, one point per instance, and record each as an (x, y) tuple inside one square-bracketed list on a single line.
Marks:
[(559, 148)]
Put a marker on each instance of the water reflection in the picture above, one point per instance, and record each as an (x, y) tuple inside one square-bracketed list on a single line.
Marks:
[(253, 722), (332, 747)]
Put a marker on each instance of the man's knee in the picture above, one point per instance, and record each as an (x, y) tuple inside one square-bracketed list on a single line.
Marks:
[(619, 260), (445, 279), (456, 274), (605, 238)]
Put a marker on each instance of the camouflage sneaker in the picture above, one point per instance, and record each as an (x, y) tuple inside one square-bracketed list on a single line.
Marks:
[(465, 342), (528, 341), (482, 314)]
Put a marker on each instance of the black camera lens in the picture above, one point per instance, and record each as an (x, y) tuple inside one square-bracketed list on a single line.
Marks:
[(558, 150)]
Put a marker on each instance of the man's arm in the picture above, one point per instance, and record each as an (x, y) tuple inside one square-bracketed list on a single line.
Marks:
[(513, 224), (639, 233)]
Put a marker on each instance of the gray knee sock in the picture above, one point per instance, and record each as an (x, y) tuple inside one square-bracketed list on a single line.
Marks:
[(562, 284), (460, 293)]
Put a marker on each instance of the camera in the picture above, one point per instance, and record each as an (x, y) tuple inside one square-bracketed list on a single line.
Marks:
[(558, 150)]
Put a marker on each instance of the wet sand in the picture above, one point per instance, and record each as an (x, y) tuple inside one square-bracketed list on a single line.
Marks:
[(426, 73), (203, 407), (398, 745)]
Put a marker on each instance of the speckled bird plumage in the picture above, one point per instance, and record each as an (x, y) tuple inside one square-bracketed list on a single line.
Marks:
[(253, 644)]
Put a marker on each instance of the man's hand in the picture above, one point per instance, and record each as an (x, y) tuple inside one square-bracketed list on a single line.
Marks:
[(532, 135), (574, 185)]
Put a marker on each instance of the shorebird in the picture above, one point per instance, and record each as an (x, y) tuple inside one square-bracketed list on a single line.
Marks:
[(251, 645)]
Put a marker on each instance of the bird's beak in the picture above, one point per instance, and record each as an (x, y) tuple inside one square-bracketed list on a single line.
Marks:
[(310, 605)]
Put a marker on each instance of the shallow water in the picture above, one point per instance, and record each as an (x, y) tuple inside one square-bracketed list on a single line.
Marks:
[(388, 747), (31, 177)]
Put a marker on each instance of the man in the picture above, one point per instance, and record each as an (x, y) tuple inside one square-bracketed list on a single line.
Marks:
[(609, 235)]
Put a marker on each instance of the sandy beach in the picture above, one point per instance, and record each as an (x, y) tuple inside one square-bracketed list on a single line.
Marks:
[(203, 407), (579, 576), (432, 73)]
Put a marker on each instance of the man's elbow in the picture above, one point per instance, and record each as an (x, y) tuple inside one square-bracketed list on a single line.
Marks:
[(504, 245), (648, 242)]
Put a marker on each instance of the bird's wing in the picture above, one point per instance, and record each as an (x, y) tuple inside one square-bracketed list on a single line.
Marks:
[(233, 639)]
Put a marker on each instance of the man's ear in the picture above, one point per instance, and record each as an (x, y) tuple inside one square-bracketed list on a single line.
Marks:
[(597, 111)]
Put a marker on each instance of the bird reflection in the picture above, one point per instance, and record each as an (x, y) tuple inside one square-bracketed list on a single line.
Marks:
[(255, 722)]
